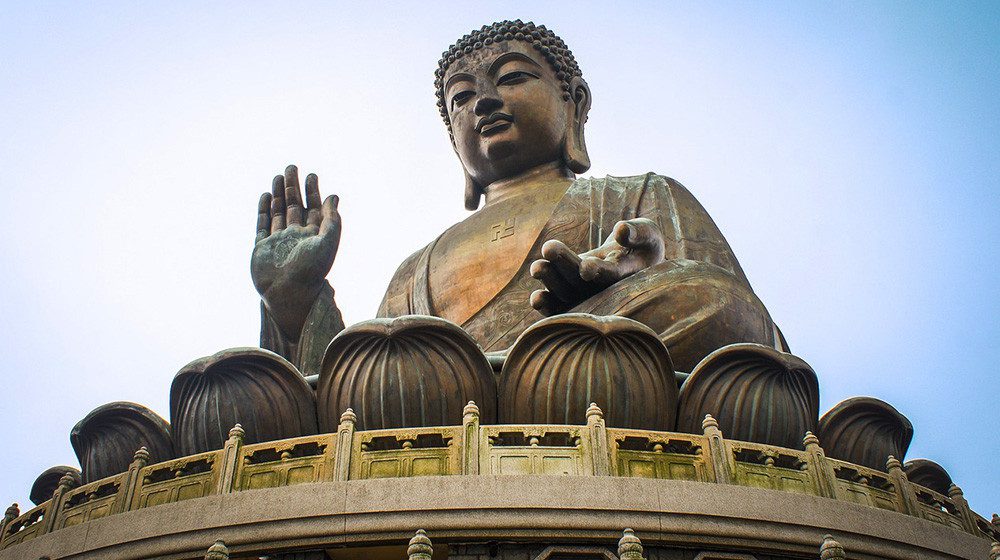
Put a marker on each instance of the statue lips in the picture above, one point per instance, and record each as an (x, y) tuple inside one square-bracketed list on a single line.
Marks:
[(494, 123)]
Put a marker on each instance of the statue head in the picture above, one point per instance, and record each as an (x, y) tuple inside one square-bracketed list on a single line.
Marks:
[(513, 99)]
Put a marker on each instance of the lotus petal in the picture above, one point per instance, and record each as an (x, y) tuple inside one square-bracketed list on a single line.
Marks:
[(409, 371), (928, 474), (865, 431), (106, 439), (252, 387), (48, 481), (561, 364), (755, 392)]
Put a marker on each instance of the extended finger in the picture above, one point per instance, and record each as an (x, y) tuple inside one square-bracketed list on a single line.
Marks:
[(565, 261), (264, 216), (543, 301), (293, 197), (314, 211), (277, 203), (640, 233), (555, 283), (329, 227)]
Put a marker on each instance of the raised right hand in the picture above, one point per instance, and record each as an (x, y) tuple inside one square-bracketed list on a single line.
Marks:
[(295, 248)]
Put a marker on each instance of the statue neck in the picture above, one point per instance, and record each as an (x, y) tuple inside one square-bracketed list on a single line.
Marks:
[(543, 175)]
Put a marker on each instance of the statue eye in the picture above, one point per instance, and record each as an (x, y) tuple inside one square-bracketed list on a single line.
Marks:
[(461, 97), (515, 77)]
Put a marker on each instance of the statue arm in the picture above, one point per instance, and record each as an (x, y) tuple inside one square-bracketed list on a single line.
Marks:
[(322, 323)]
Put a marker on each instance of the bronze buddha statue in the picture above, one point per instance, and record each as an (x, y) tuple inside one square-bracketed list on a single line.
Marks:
[(543, 243)]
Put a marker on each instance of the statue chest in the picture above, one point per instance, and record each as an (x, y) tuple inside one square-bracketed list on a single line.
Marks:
[(476, 258)]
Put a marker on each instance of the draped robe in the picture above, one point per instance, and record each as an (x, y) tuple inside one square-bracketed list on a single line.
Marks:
[(697, 300)]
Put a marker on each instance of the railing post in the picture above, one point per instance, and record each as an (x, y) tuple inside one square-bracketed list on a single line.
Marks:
[(345, 445), (907, 497), (822, 471), (597, 433), (420, 547), (995, 551), (132, 482), (717, 450), (218, 551), (11, 514), (231, 461), (964, 511), (56, 503), (831, 549), (470, 439), (629, 546)]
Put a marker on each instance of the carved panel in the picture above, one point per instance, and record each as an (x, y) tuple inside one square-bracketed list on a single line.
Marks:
[(645, 454), (191, 477), (928, 474), (91, 501), (48, 481), (107, 438), (405, 372), (252, 387), (295, 461), (756, 394), (563, 363), (553, 450), (865, 431), (406, 453), (26, 526)]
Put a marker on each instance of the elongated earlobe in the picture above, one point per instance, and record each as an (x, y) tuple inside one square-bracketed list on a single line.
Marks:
[(575, 147), (473, 193)]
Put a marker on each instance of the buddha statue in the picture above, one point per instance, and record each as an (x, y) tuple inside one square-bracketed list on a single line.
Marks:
[(540, 241)]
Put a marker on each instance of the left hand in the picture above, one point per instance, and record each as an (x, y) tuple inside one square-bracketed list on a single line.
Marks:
[(569, 278)]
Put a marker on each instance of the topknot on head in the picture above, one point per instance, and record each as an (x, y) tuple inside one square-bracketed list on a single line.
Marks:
[(547, 43)]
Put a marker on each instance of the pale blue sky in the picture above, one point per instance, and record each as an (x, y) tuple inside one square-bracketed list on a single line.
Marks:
[(848, 151)]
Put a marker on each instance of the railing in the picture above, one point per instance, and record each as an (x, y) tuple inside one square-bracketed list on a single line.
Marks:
[(588, 450)]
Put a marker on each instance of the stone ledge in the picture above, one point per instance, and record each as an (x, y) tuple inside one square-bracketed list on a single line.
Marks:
[(564, 509)]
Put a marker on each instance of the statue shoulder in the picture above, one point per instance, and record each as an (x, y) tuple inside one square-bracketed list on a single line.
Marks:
[(398, 296)]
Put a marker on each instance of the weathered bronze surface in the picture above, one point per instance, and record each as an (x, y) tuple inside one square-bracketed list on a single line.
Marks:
[(405, 372), (248, 386), (756, 393), (48, 481), (107, 438), (562, 364), (928, 473), (865, 430), (545, 242)]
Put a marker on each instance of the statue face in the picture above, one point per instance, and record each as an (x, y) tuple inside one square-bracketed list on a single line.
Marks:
[(506, 110)]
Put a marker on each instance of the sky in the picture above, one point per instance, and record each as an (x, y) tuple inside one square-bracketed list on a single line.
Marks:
[(850, 152)]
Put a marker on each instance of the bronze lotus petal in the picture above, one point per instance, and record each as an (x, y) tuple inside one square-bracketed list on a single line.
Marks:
[(249, 386), (106, 439), (865, 431), (48, 481), (756, 394), (928, 474), (409, 371), (561, 364)]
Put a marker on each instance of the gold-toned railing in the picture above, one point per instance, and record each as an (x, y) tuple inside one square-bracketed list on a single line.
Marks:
[(591, 449)]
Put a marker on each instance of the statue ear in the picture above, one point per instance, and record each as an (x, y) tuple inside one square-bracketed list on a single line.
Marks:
[(472, 193), (575, 148)]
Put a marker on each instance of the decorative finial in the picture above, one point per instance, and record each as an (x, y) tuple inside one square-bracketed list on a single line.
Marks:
[(831, 549), (892, 463), (996, 522), (66, 482), (709, 422), (12, 511), (629, 546), (237, 433), (995, 551), (141, 455), (810, 439), (470, 409), (954, 491), (594, 411), (420, 546), (218, 551), (348, 416)]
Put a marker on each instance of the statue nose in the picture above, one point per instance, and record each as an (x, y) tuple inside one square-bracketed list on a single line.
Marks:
[(488, 102)]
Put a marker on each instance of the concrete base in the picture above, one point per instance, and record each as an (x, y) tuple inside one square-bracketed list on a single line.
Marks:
[(665, 514)]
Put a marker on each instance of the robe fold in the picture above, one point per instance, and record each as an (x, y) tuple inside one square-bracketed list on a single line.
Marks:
[(698, 300)]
